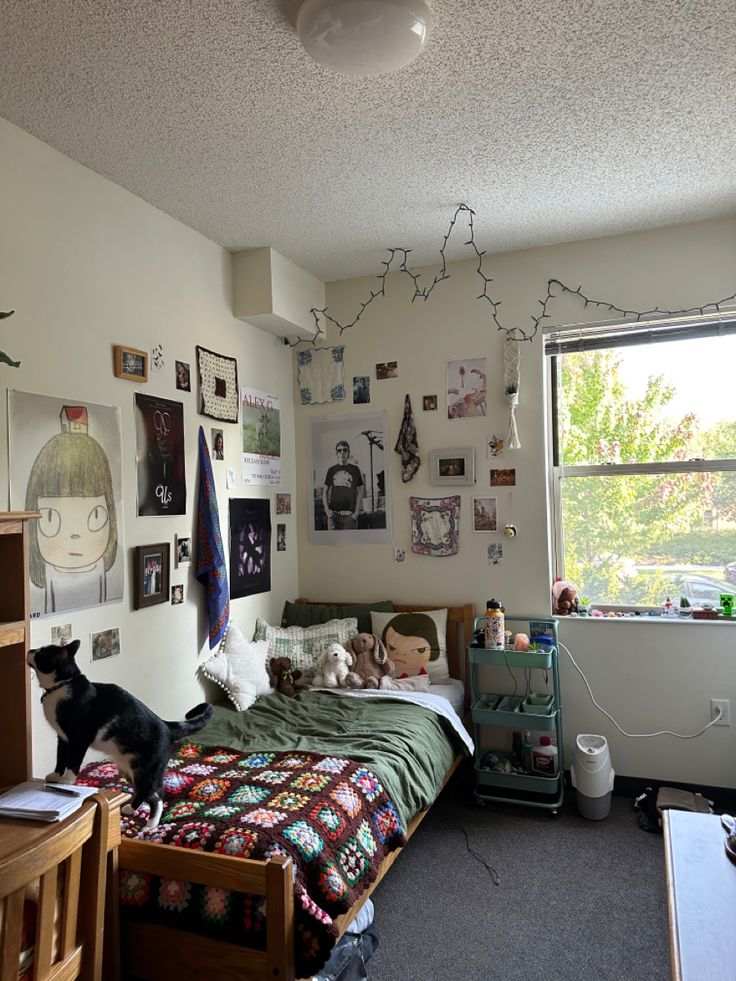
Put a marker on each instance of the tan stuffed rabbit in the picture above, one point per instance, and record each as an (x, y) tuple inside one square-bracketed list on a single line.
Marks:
[(370, 661)]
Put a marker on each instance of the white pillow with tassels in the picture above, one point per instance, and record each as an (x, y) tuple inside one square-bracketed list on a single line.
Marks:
[(239, 667)]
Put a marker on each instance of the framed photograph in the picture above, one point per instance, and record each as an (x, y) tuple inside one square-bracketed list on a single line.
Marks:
[(453, 466), (151, 575), (177, 594), (485, 514), (280, 538), (131, 364), (183, 551), (429, 403), (349, 479)]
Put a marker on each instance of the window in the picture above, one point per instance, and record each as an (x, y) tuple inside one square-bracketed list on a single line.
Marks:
[(643, 446)]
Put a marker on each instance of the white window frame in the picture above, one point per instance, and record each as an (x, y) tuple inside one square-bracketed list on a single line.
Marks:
[(567, 339)]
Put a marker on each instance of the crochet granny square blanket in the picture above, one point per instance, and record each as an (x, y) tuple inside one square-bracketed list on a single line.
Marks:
[(331, 815)]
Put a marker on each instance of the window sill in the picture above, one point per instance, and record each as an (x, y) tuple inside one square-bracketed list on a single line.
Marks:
[(646, 618)]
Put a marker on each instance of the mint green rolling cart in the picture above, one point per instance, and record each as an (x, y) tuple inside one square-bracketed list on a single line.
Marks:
[(538, 711)]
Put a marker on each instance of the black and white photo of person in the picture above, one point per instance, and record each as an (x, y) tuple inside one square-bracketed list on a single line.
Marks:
[(280, 538), (342, 494), (349, 474)]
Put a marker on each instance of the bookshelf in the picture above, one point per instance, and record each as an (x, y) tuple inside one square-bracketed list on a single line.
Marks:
[(15, 690)]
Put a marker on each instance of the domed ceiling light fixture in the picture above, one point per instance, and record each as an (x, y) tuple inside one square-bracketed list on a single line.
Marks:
[(364, 37)]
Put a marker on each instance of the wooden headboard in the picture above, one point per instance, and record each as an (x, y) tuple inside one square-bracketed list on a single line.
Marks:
[(459, 629)]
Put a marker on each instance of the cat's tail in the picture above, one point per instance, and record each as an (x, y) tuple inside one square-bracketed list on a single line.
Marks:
[(195, 719)]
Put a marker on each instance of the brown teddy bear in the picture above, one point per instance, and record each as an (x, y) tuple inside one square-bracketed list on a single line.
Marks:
[(370, 661), (564, 598), (284, 678)]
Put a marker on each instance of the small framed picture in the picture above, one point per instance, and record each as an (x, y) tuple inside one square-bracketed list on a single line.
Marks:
[(429, 403), (485, 514), (453, 466), (177, 594), (151, 575), (131, 364), (280, 538), (183, 551)]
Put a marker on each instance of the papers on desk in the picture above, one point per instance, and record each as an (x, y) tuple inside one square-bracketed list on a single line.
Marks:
[(36, 801)]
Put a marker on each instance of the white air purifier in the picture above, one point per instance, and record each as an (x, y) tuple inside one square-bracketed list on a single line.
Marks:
[(592, 776)]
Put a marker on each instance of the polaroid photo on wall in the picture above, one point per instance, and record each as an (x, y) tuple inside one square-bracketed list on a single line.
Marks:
[(105, 643), (183, 551)]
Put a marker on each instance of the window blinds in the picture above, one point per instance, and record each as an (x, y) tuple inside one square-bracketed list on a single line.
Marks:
[(625, 333)]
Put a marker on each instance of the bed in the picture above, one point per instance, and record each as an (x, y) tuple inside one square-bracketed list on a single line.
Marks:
[(158, 950)]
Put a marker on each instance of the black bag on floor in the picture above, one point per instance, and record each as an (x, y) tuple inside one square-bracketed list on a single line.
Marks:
[(348, 959)]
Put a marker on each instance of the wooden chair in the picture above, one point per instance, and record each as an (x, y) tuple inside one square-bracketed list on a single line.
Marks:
[(69, 861)]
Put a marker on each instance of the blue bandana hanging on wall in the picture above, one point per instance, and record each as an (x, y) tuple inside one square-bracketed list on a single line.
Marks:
[(321, 375)]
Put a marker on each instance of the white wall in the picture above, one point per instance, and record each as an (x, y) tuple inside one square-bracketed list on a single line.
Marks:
[(650, 676), (87, 265)]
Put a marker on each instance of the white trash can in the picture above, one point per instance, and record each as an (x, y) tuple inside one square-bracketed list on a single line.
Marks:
[(592, 776)]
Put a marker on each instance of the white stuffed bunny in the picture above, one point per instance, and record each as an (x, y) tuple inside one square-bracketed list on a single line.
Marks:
[(332, 667)]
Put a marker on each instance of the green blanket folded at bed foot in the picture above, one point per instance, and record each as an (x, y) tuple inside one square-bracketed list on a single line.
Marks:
[(407, 746)]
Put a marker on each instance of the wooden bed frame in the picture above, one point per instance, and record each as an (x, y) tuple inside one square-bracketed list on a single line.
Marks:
[(156, 952)]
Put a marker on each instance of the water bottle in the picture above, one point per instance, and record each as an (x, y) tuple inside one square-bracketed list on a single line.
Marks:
[(494, 626)]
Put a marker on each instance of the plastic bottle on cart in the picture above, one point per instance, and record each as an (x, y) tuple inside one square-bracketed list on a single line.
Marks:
[(526, 752), (495, 625), (544, 758)]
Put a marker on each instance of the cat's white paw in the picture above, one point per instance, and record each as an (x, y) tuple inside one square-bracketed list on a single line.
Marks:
[(53, 777), (127, 810), (68, 776), (155, 817)]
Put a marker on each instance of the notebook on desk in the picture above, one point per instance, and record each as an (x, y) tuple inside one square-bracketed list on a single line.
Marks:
[(36, 801)]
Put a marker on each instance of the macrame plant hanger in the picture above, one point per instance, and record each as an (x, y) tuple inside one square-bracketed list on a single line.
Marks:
[(511, 379)]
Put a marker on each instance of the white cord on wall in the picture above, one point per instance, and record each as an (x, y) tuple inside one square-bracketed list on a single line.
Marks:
[(636, 735)]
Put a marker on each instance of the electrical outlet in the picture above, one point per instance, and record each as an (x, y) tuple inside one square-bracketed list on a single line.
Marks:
[(724, 704)]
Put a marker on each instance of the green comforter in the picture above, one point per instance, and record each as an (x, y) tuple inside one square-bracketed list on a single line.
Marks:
[(408, 747)]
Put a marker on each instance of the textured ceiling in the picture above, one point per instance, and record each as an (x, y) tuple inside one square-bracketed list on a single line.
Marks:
[(554, 120)]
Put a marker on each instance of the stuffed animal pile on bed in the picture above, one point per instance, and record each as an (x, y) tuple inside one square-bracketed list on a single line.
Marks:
[(362, 662)]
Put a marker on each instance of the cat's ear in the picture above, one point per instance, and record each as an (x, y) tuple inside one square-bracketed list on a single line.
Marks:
[(72, 647)]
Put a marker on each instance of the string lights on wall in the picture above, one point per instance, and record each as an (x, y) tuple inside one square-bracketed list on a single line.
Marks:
[(397, 259)]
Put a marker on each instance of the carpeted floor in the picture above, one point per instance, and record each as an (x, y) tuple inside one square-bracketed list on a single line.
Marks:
[(577, 899)]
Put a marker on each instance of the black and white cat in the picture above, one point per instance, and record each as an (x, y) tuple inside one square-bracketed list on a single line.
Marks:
[(109, 719)]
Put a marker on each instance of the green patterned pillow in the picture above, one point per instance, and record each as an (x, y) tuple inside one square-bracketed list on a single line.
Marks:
[(304, 644)]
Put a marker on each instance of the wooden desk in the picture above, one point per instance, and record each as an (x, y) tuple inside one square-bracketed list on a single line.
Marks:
[(701, 897), (98, 898)]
